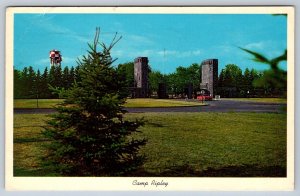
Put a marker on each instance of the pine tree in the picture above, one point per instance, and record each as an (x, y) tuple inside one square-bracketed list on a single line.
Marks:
[(89, 134), (66, 83), (58, 77), (18, 91), (38, 84), (45, 92), (30, 86), (71, 78)]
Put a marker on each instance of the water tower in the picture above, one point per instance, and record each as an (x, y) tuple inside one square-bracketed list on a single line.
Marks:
[(55, 58)]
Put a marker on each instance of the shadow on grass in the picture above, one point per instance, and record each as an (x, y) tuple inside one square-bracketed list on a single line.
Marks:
[(186, 171), (283, 109), (153, 124), (228, 171), (21, 172), (24, 140)]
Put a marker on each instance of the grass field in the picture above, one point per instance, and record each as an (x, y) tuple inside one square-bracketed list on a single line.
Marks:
[(32, 103), (49, 103), (159, 103), (262, 100), (182, 144)]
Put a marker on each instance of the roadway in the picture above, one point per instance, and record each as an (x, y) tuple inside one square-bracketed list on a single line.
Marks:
[(213, 106)]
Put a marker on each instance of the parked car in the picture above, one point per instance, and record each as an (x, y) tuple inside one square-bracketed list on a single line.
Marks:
[(204, 95)]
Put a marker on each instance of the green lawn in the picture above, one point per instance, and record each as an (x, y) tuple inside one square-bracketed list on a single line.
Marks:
[(130, 103), (32, 103), (263, 100), (49, 103), (183, 144)]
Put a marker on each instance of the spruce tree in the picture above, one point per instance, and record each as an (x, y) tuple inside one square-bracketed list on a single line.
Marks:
[(45, 92), (89, 134), (18, 91)]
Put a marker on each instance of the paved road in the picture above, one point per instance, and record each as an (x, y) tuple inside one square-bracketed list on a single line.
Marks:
[(214, 106), (219, 106)]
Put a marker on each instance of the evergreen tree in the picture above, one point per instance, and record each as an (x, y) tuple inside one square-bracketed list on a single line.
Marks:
[(66, 83), (45, 92), (24, 79), (18, 91), (76, 74), (30, 83), (51, 80), (72, 76), (89, 134), (37, 84), (55, 80), (58, 77)]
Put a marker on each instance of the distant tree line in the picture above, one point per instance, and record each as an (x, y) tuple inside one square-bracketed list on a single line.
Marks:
[(176, 83), (29, 83), (232, 81)]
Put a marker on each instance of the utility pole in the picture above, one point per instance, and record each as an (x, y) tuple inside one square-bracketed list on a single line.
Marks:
[(164, 59)]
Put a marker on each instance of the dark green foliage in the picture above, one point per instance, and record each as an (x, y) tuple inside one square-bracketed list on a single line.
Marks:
[(31, 84), (155, 77), (89, 135), (17, 84), (44, 91), (274, 80), (126, 70), (24, 83), (230, 83), (178, 81)]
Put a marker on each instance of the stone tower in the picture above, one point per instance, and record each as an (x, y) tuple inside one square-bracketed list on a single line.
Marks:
[(141, 84), (209, 75)]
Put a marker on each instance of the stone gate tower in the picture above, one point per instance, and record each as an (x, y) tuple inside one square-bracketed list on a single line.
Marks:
[(141, 84), (209, 75)]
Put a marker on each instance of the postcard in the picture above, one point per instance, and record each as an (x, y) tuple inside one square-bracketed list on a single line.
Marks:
[(150, 98)]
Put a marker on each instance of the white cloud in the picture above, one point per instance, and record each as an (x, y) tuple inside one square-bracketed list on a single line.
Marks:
[(268, 48), (144, 53), (180, 54), (49, 26), (117, 53), (137, 40), (65, 61), (133, 53), (225, 48), (42, 61), (68, 60), (255, 45)]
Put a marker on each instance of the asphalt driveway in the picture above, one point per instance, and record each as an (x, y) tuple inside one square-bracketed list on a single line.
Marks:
[(213, 106)]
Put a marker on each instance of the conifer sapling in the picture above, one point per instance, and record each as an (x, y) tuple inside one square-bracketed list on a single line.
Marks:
[(89, 135)]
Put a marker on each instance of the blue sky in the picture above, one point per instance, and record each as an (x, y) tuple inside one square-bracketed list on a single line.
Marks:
[(168, 40)]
